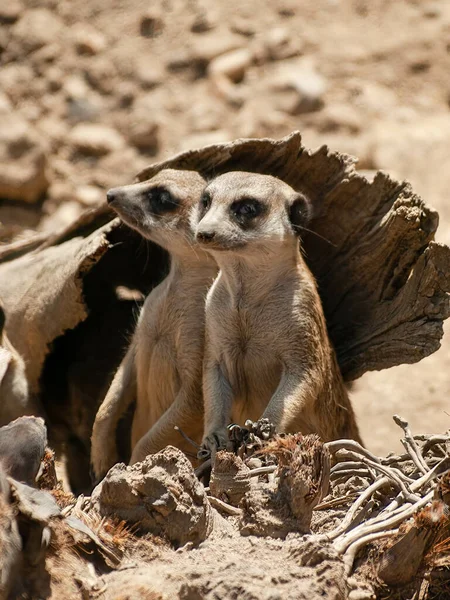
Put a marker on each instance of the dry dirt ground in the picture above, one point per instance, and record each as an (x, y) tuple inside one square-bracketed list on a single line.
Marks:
[(91, 92)]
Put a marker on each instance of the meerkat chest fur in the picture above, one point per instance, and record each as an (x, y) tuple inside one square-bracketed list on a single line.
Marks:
[(250, 316)]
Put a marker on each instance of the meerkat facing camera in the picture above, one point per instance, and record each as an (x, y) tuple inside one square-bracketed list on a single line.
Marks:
[(162, 369), (267, 351)]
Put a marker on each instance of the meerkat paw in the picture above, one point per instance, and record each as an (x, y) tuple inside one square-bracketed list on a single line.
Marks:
[(262, 428), (217, 440)]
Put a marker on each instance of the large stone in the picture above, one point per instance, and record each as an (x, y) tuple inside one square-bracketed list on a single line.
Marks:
[(160, 495), (22, 161), (95, 140), (300, 88)]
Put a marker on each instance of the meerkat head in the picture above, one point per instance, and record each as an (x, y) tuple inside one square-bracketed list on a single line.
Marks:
[(160, 208), (241, 211)]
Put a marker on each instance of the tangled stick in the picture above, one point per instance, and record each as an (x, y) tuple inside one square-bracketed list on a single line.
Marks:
[(364, 522)]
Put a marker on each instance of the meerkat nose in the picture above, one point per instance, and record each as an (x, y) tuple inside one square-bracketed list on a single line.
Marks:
[(112, 195), (205, 236)]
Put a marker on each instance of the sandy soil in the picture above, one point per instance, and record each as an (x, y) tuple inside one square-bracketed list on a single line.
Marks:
[(92, 92)]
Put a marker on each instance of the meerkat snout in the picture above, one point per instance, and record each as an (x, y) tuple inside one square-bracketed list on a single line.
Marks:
[(112, 195)]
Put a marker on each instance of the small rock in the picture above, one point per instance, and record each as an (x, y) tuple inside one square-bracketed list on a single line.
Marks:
[(10, 11), (211, 45), (101, 74), (76, 87), (81, 109), (95, 140), (205, 114), (432, 10), (232, 65), (89, 195), (287, 8), (280, 44), (149, 73), (151, 24), (179, 60), (243, 26), (38, 27), (126, 93), (144, 134), (55, 77), (340, 116), (228, 69), (58, 192), (22, 161), (88, 40), (15, 81), (64, 215), (204, 21), (302, 89), (46, 54)]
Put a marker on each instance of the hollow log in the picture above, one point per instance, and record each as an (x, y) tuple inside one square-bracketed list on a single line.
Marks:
[(382, 279)]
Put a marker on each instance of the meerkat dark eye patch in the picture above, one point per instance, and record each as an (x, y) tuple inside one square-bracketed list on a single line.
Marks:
[(204, 204), (161, 201), (245, 210), (300, 212)]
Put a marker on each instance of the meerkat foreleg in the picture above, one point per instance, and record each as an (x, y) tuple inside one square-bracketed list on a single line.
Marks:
[(184, 412), (289, 408), (218, 400), (121, 394)]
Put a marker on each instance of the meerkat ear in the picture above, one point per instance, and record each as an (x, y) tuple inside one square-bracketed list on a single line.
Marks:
[(299, 211)]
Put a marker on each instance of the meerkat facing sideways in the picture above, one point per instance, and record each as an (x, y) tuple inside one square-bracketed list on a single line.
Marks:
[(162, 369), (267, 351)]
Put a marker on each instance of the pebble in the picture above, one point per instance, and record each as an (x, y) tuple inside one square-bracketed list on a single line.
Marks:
[(38, 27), (149, 73), (281, 45), (340, 116), (82, 109), (101, 75), (23, 161), (10, 11), (144, 134), (242, 26), (228, 69), (232, 64), (63, 215), (89, 195), (96, 140), (88, 40), (76, 87), (211, 45), (204, 21), (302, 89)]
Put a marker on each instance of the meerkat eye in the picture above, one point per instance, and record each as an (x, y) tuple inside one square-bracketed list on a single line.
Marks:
[(205, 201), (161, 200), (249, 208)]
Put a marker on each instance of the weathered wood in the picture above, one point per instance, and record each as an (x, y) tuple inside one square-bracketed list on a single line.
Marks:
[(383, 281)]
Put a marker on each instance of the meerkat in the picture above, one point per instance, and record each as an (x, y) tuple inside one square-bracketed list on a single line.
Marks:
[(267, 350), (162, 369)]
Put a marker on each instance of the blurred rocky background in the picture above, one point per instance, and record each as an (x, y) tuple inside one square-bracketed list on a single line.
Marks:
[(91, 92)]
